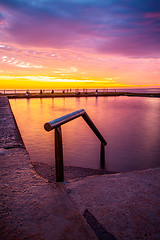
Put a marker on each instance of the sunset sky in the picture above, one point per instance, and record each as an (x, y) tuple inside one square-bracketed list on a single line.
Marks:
[(79, 43)]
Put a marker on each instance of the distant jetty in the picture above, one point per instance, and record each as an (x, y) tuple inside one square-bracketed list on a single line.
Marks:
[(74, 93)]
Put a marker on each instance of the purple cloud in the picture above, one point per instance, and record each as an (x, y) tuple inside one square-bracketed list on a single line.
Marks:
[(2, 17), (115, 27)]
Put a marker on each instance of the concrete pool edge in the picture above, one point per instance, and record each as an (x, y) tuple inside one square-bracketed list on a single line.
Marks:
[(31, 207), (81, 94), (127, 205), (28, 200)]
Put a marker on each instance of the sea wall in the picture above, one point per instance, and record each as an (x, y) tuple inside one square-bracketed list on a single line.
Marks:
[(31, 208)]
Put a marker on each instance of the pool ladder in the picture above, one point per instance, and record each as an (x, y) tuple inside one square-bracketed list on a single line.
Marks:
[(56, 124)]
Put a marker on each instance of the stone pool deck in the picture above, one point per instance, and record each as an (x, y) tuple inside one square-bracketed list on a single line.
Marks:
[(117, 206)]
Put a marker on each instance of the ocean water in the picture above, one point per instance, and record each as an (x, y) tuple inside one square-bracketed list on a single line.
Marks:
[(130, 125)]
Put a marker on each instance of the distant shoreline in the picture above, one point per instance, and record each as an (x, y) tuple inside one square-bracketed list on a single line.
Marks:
[(79, 94)]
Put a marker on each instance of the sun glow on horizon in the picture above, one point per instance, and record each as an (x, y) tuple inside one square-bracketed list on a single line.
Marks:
[(91, 44), (47, 82)]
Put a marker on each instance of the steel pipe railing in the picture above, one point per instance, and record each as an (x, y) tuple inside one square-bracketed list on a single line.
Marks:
[(56, 124)]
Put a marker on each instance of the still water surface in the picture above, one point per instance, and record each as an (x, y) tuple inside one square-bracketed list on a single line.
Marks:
[(130, 125)]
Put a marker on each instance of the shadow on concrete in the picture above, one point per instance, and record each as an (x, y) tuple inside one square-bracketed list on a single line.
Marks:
[(48, 172)]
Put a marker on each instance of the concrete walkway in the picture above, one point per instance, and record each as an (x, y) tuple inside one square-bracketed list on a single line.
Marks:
[(31, 208), (118, 206), (127, 205)]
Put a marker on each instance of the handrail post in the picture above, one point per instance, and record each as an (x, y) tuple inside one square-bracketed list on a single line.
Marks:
[(59, 155), (102, 156), (56, 124)]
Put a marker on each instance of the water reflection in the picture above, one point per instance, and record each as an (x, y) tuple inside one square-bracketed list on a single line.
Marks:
[(131, 127)]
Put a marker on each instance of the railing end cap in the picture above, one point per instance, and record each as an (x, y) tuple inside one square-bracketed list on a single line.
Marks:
[(47, 127)]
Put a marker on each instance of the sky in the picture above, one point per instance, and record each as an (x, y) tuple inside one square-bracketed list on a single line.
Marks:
[(79, 44)]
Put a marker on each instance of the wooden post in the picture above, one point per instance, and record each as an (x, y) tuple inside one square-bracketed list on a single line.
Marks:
[(59, 155), (102, 155)]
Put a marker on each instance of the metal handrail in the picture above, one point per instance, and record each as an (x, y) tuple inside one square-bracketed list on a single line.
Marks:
[(56, 124)]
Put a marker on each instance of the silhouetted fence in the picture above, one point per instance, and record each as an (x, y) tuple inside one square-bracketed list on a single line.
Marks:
[(53, 91)]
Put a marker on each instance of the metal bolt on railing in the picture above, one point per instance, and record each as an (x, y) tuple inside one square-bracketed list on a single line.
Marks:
[(56, 124)]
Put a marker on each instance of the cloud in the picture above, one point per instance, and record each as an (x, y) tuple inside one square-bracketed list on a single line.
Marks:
[(2, 17), (121, 27), (50, 79), (18, 63)]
